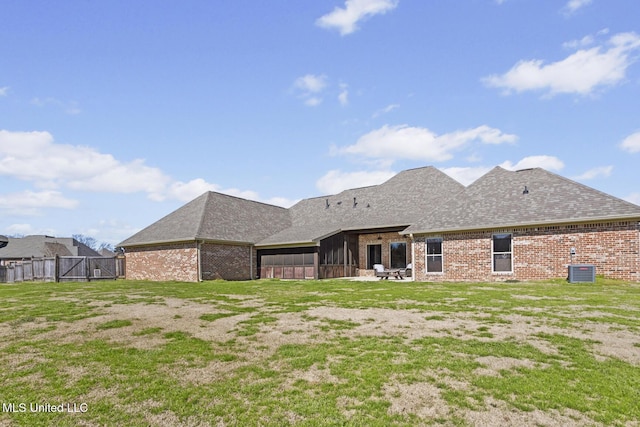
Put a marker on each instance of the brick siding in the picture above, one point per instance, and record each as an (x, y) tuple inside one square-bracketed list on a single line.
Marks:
[(228, 262), (167, 262), (384, 239), (180, 262), (538, 253)]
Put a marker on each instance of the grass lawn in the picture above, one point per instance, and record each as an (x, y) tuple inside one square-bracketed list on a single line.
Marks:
[(319, 353)]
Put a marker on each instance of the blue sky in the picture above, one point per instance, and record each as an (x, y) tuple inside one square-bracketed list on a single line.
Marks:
[(115, 113)]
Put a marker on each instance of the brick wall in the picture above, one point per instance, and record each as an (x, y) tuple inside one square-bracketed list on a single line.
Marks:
[(167, 262), (384, 239), (228, 262), (538, 253)]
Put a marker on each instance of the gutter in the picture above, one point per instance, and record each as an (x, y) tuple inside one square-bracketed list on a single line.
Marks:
[(520, 225), (193, 239)]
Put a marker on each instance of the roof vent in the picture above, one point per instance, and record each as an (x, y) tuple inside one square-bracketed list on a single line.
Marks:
[(326, 201), (526, 190), (354, 202)]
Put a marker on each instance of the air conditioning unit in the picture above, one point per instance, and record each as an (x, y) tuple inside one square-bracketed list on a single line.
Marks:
[(582, 273)]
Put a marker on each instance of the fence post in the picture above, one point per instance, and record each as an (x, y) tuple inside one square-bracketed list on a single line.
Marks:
[(56, 269)]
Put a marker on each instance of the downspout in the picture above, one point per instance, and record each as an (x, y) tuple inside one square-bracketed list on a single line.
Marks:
[(251, 262), (413, 257), (198, 249)]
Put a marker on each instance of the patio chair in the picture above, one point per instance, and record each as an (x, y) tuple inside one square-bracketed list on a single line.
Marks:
[(380, 271), (406, 272), (383, 273)]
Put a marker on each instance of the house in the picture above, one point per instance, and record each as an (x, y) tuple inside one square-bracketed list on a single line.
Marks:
[(41, 246), (527, 225), (211, 237), (523, 225)]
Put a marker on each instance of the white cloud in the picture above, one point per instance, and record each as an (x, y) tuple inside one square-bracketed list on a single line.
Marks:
[(309, 87), (594, 173), (346, 19), (29, 203), (404, 142), (466, 176), (389, 108), (343, 97), (587, 40), (313, 101), (336, 181), (545, 162), (631, 143), (185, 191), (311, 83), (18, 229), (580, 73), (35, 157), (633, 198), (70, 108), (573, 5), (4, 90)]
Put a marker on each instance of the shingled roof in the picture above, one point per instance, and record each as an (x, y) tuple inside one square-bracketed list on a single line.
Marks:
[(214, 217), (499, 200), (39, 246), (398, 202), (422, 200)]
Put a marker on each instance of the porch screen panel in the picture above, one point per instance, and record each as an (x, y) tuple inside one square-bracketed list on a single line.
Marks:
[(295, 263)]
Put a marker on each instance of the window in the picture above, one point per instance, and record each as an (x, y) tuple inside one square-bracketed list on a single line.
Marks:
[(502, 254), (398, 252), (374, 255), (434, 255)]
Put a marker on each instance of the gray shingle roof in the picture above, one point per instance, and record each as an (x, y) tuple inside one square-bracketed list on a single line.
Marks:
[(39, 246), (214, 217), (496, 200), (398, 202), (423, 200)]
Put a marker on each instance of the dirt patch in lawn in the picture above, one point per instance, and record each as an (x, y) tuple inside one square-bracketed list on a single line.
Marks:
[(143, 325)]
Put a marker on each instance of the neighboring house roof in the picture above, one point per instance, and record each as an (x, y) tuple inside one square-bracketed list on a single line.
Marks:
[(499, 200), (107, 252), (398, 202), (39, 246), (214, 217)]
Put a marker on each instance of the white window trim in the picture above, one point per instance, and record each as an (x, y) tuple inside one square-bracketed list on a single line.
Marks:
[(493, 271), (426, 254)]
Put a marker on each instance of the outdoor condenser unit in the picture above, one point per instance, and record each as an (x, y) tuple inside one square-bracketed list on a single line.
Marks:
[(582, 273)]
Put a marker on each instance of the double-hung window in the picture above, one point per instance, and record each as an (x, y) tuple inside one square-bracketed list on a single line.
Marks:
[(434, 255), (501, 249)]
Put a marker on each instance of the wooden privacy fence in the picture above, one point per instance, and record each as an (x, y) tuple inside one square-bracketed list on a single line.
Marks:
[(63, 269)]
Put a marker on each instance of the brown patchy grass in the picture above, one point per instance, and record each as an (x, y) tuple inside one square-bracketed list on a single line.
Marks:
[(322, 353)]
